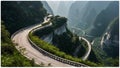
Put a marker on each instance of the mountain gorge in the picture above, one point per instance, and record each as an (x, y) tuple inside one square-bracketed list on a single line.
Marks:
[(104, 19), (84, 15), (105, 28), (111, 39), (59, 35), (93, 18)]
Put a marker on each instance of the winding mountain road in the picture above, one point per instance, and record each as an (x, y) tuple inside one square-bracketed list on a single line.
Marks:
[(30, 52), (88, 43), (89, 48), (21, 38)]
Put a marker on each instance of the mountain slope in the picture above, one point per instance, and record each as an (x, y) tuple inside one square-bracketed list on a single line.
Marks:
[(54, 6), (111, 39), (60, 7), (61, 37), (63, 8), (19, 14), (10, 57), (104, 18), (84, 15), (47, 7)]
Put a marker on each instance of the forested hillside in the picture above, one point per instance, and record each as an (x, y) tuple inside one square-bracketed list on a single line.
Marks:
[(9, 55), (62, 38), (104, 18), (16, 15), (47, 7), (95, 21), (19, 14), (84, 15), (106, 47), (62, 42)]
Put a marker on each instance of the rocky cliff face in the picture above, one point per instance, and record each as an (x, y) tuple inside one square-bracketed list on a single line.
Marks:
[(47, 7), (60, 30), (85, 13), (112, 34), (63, 8), (54, 6), (60, 7), (59, 35), (75, 13), (48, 37), (104, 18), (110, 40), (58, 27)]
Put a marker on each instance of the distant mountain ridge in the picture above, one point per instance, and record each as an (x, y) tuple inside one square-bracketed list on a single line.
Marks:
[(85, 13), (104, 18)]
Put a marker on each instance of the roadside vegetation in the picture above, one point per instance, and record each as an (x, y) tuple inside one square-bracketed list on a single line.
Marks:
[(55, 50), (20, 14), (10, 57), (17, 15)]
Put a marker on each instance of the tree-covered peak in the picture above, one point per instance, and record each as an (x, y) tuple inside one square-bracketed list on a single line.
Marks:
[(58, 21)]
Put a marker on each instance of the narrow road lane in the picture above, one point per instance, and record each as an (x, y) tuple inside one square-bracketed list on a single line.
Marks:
[(89, 48), (30, 52), (21, 38)]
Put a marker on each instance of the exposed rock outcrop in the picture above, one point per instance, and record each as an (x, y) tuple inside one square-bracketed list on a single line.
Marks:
[(60, 30), (47, 7), (110, 40)]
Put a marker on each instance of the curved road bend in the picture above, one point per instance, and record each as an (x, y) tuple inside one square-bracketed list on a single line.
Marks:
[(87, 52), (30, 52), (89, 48)]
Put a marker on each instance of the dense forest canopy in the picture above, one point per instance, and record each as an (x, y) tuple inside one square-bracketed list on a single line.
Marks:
[(9, 55), (16, 15), (19, 14)]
